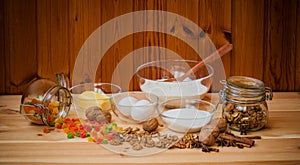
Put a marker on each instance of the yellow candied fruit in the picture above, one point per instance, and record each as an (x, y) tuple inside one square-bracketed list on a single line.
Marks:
[(31, 112), (90, 139), (54, 104), (55, 110), (59, 120), (119, 129)]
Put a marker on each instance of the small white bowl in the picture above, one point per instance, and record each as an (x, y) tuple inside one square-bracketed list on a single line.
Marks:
[(135, 105), (186, 115)]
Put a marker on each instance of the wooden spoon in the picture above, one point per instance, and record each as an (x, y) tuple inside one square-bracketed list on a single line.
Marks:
[(219, 53)]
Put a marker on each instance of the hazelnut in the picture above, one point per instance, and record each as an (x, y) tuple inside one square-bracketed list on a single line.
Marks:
[(150, 125)]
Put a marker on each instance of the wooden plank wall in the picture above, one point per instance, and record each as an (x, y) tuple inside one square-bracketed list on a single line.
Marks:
[(39, 38)]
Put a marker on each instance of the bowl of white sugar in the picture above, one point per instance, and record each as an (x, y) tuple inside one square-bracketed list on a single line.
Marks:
[(153, 78), (186, 115)]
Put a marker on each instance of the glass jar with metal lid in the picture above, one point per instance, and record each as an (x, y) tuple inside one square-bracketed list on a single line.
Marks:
[(44, 101), (244, 103)]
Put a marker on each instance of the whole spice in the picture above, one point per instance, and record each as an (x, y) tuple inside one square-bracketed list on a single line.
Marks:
[(192, 141), (150, 125), (243, 140)]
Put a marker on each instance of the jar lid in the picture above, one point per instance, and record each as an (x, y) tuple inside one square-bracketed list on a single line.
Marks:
[(245, 82), (244, 89)]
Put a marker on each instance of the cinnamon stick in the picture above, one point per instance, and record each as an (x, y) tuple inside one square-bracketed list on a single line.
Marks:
[(237, 139), (242, 145)]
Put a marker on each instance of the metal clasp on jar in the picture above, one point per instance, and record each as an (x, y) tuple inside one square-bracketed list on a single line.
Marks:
[(269, 93)]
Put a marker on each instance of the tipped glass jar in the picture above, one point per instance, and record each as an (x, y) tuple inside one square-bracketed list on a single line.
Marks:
[(44, 101), (244, 103)]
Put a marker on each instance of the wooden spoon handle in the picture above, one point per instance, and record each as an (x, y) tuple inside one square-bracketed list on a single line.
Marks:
[(219, 53)]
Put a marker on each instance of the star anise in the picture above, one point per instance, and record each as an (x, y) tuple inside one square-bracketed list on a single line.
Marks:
[(221, 142)]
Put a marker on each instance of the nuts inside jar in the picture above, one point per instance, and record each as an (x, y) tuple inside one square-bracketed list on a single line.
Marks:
[(245, 117)]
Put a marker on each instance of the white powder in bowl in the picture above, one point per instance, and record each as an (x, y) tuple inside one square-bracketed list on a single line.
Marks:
[(186, 119), (174, 89)]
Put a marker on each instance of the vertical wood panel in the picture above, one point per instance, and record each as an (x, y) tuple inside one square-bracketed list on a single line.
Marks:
[(20, 44), (42, 37), (84, 18), (248, 38), (215, 19), (53, 37), (110, 10), (2, 51), (189, 10), (297, 80), (147, 39), (280, 55)]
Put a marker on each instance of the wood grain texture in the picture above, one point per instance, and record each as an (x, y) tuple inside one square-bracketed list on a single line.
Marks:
[(43, 37), (2, 49), (188, 9), (52, 38), (20, 44), (115, 54), (297, 80), (84, 19), (247, 38), (279, 143), (148, 39), (280, 54), (215, 19)]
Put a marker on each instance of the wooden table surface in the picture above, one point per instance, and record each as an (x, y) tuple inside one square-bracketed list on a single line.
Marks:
[(20, 142)]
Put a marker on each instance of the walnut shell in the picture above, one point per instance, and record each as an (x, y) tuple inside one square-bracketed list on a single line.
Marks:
[(92, 112), (150, 125), (96, 113)]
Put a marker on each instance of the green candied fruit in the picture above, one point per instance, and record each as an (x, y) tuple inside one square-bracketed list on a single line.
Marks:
[(114, 124), (78, 134), (104, 141), (70, 135)]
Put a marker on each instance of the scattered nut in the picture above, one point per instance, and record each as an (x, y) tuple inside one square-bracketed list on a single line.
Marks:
[(150, 125)]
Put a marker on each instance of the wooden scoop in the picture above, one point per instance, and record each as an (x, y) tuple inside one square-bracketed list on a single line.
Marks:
[(219, 53)]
